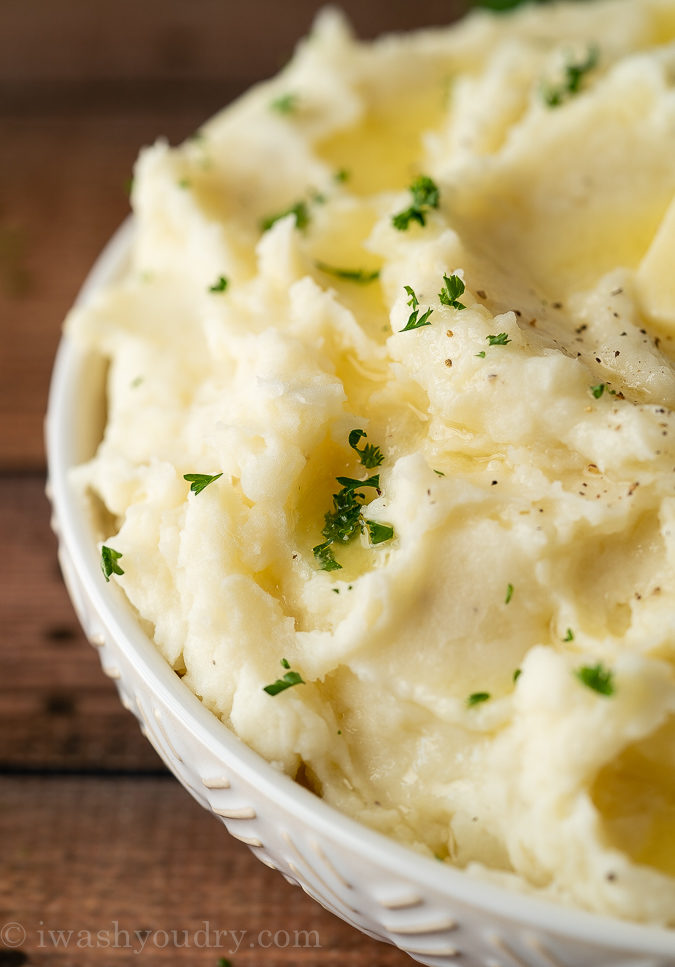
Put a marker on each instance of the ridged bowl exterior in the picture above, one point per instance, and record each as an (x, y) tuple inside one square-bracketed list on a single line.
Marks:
[(439, 915)]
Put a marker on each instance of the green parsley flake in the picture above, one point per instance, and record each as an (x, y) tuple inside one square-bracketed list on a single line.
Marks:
[(342, 175), (425, 196), (353, 483), (325, 557), (481, 354), (439, 473), (502, 339), (415, 321), (198, 481), (184, 183), (109, 559), (219, 286), (286, 681), (379, 533), (569, 635), (346, 520), (509, 593), (371, 456), (413, 300), (300, 211), (516, 675), (598, 390), (454, 288), (573, 74), (342, 523), (224, 962), (286, 104), (597, 677), (477, 697), (350, 275)]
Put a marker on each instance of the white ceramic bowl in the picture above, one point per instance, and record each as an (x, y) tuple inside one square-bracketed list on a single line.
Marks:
[(439, 915)]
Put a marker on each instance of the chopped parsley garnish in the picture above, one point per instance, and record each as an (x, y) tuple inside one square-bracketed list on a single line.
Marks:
[(109, 559), (425, 192), (341, 524), (371, 456), (325, 556), (342, 175), (350, 275), (220, 285), (477, 697), (569, 635), (379, 533), (346, 520), (286, 681), (502, 339), (439, 473), (509, 593), (573, 74), (597, 677), (184, 183), (516, 675), (454, 288), (198, 481), (300, 211), (353, 483), (415, 321), (413, 300), (224, 962), (481, 354), (425, 196), (598, 390), (286, 104)]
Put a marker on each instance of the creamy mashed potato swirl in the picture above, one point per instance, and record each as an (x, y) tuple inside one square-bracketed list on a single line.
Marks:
[(492, 683)]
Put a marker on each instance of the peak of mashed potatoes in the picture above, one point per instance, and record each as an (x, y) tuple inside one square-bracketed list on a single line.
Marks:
[(492, 682)]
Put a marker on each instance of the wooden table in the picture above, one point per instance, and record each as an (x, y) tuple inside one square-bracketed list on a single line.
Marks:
[(103, 854)]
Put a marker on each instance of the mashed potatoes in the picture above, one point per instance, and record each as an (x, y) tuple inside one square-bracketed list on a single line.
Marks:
[(457, 625)]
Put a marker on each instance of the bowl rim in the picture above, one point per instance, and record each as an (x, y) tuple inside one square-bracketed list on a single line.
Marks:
[(492, 899)]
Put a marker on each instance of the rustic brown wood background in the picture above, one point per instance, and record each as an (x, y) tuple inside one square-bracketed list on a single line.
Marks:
[(95, 836)]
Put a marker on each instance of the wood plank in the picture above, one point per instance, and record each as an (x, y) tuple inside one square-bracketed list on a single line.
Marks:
[(107, 858), (170, 38), (57, 709), (53, 222)]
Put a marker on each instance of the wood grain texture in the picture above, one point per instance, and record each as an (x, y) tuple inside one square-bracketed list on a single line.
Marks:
[(132, 866), (58, 712), (53, 222), (173, 38)]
